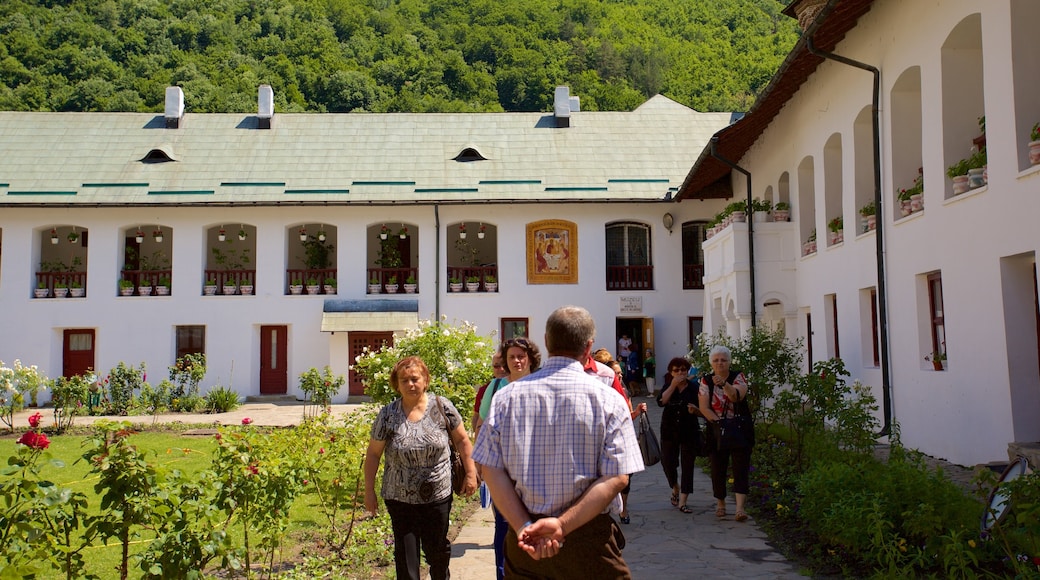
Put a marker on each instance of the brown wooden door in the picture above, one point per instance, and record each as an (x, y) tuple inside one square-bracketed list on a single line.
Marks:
[(77, 352), (274, 347), (358, 342)]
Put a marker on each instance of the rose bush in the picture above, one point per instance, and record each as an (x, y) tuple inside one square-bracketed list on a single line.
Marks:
[(459, 360)]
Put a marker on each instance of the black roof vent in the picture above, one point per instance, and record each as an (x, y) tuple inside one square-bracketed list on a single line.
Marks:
[(157, 156), (469, 154)]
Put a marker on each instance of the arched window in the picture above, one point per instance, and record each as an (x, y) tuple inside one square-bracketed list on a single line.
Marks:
[(629, 261), (693, 234)]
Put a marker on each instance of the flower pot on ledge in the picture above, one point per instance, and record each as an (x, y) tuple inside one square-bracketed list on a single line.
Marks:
[(1034, 152), (42, 292), (960, 184)]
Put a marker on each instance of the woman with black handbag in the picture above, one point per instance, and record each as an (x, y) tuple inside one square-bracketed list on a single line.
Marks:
[(723, 403), (680, 432), (414, 433)]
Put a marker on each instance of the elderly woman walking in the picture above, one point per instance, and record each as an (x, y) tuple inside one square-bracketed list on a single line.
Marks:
[(722, 394), (413, 433)]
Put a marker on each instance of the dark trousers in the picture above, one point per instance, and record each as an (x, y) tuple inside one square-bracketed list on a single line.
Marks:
[(591, 551), (673, 455), (741, 467), (418, 526), (501, 527)]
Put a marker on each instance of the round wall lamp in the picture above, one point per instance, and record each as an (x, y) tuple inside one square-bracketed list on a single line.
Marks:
[(668, 221)]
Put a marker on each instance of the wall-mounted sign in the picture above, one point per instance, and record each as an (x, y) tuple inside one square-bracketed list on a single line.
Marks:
[(630, 304)]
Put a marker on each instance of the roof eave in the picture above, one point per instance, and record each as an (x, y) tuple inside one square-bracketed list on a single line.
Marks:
[(732, 142)]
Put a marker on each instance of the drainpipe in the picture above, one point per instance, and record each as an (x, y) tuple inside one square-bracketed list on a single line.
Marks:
[(886, 382), (437, 270), (750, 223)]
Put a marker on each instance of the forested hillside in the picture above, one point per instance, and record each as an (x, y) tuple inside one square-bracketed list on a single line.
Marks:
[(387, 55)]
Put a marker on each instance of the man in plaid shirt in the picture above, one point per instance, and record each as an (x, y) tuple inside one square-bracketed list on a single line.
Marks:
[(556, 450)]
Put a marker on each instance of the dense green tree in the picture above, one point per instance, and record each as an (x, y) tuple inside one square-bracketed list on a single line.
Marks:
[(387, 55)]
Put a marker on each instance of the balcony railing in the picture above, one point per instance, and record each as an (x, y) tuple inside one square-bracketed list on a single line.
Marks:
[(306, 276), (147, 277), (630, 277), (230, 279), (381, 277), (693, 277), (52, 280), (481, 273)]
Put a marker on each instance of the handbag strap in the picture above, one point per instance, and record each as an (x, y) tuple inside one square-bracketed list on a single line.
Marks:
[(447, 425)]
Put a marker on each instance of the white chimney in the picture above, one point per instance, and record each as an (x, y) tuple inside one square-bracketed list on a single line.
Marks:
[(265, 111), (174, 107), (562, 106), (575, 104)]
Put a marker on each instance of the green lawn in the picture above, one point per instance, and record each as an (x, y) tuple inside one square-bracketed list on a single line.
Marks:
[(166, 450)]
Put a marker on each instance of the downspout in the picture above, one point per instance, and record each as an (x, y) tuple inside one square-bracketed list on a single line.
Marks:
[(437, 270), (886, 382), (750, 223)]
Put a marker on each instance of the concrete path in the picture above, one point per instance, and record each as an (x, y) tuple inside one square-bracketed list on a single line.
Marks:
[(662, 542)]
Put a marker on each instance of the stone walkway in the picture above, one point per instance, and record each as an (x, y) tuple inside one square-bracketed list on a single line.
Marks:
[(662, 542)]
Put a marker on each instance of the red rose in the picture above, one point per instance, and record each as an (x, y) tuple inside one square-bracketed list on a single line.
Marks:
[(246, 420), (34, 420), (34, 440)]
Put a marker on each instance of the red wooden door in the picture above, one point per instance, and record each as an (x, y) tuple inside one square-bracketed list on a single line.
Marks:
[(358, 342), (274, 346), (77, 352)]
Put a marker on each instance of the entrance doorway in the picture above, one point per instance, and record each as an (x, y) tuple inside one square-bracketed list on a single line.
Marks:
[(359, 341), (274, 348), (77, 352), (633, 337)]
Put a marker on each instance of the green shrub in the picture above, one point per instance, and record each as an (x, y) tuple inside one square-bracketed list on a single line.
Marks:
[(187, 373), (459, 360), (123, 382), (188, 404), (321, 387), (156, 399), (221, 400), (69, 396)]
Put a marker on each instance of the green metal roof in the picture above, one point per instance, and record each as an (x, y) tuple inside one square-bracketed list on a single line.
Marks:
[(103, 158)]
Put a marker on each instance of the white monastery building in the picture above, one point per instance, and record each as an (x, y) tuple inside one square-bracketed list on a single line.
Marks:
[(951, 272), (275, 243)]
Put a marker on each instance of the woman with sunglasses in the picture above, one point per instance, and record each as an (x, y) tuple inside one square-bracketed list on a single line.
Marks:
[(520, 357), (680, 433)]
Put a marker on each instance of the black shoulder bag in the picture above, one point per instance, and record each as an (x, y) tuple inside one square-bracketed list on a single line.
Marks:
[(738, 431), (458, 470)]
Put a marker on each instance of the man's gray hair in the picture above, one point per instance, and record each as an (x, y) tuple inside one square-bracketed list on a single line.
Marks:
[(569, 330), (719, 349)]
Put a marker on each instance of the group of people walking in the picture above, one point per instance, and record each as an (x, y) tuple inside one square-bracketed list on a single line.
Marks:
[(555, 447)]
